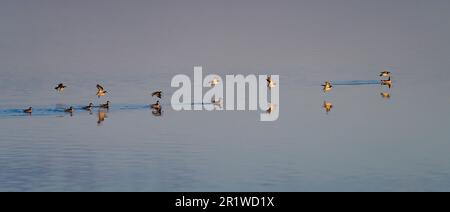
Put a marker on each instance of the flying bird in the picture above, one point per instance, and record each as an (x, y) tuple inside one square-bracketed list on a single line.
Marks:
[(101, 91), (60, 87), (157, 94)]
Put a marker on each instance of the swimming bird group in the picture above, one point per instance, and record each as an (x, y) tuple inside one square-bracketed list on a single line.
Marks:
[(327, 87)]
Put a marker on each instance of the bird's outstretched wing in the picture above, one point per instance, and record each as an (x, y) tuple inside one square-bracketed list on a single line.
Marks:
[(157, 93), (100, 88)]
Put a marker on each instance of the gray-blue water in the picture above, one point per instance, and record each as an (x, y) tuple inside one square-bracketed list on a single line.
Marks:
[(367, 142)]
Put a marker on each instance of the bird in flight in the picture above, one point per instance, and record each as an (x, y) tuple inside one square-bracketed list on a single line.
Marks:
[(60, 87), (157, 94), (101, 91)]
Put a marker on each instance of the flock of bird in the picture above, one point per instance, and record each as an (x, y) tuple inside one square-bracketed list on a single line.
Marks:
[(157, 107), (101, 92), (328, 86)]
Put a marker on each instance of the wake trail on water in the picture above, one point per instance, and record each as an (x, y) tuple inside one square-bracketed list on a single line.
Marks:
[(59, 109), (356, 82)]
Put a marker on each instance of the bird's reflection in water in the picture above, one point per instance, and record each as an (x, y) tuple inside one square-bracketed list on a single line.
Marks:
[(327, 106), (271, 108), (102, 116), (157, 112), (386, 95), (217, 102)]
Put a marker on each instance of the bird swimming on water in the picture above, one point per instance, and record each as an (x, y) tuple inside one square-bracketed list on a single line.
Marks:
[(69, 110), (29, 110), (101, 91), (60, 87), (157, 94), (387, 82), (89, 107), (327, 87), (106, 106), (156, 106)]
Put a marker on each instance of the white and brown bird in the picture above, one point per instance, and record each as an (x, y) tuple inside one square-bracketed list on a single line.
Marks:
[(327, 106), (327, 86), (29, 110), (60, 87), (101, 91), (157, 94)]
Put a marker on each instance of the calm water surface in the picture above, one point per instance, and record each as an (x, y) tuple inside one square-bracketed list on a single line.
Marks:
[(365, 143)]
